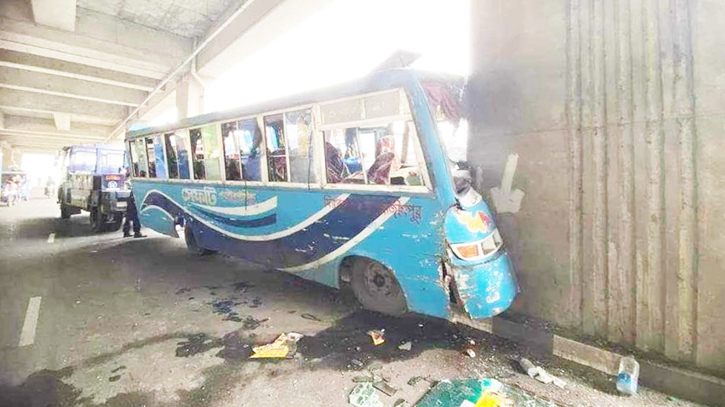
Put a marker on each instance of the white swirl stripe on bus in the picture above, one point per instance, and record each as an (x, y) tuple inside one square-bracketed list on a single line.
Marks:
[(259, 238), (372, 227), (149, 208), (250, 210)]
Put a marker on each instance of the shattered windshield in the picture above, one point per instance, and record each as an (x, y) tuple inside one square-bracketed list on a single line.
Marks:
[(446, 101)]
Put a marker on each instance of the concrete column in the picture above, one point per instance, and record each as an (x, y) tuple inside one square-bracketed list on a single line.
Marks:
[(614, 109), (189, 98)]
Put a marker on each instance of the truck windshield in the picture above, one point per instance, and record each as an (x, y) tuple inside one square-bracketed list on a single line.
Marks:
[(111, 162), (446, 101)]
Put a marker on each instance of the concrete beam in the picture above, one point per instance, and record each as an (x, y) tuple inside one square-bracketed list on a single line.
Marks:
[(34, 63), (14, 98), (55, 13), (33, 125), (49, 114), (62, 121), (53, 144), (69, 87), (100, 41), (256, 27)]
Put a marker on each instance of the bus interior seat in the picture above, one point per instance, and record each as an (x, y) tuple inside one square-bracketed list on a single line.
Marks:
[(379, 172)]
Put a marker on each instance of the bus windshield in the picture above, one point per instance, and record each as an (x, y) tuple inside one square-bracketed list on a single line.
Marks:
[(446, 101)]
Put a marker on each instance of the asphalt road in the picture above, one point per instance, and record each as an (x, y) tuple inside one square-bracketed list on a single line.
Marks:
[(139, 322)]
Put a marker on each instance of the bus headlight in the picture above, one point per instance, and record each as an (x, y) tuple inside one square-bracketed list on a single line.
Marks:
[(479, 250)]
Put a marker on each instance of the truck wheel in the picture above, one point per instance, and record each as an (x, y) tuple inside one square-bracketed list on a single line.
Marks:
[(64, 211), (98, 221), (192, 245), (376, 288), (116, 225)]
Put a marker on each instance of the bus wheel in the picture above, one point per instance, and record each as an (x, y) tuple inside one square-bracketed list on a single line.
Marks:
[(377, 289), (192, 245)]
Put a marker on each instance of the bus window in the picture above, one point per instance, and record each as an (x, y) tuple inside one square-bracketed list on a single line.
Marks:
[(159, 157), (206, 153), (381, 154), (276, 148), (141, 167), (299, 132), (242, 150), (151, 155), (172, 155), (232, 164), (182, 148)]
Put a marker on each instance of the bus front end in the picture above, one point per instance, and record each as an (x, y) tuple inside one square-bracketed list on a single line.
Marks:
[(481, 270)]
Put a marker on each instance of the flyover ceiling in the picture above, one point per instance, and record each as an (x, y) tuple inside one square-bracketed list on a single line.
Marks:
[(72, 71)]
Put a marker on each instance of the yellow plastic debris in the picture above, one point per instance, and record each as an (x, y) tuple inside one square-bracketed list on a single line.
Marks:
[(378, 336), (280, 348)]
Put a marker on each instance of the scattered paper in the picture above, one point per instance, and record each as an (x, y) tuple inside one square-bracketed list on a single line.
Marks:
[(280, 348)]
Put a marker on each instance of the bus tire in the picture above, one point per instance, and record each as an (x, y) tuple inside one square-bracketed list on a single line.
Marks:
[(376, 288), (64, 211), (192, 245)]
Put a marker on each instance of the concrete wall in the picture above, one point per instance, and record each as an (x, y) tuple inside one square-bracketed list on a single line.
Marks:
[(616, 109)]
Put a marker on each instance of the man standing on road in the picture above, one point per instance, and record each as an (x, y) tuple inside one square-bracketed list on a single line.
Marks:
[(132, 216)]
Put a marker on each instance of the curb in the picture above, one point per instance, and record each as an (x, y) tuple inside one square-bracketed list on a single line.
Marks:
[(686, 384)]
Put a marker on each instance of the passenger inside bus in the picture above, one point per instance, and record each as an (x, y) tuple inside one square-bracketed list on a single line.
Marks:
[(380, 155)]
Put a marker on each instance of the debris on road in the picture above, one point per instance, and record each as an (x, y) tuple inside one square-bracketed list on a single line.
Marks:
[(385, 388), (378, 336), (252, 323), (284, 346), (416, 379), (628, 376), (364, 395), (480, 393), (310, 317), (538, 373), (242, 286), (222, 306), (528, 367), (406, 346)]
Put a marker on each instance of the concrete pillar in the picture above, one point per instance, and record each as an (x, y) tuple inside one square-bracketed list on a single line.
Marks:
[(619, 232), (189, 98)]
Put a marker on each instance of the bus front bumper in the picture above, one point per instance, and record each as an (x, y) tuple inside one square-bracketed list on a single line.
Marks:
[(485, 289)]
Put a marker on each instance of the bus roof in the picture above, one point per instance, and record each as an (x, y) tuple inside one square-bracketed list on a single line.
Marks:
[(93, 147), (374, 82)]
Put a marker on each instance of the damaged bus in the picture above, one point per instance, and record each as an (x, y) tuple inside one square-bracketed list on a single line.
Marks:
[(349, 186)]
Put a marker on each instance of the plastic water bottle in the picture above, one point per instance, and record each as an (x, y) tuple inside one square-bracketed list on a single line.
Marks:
[(628, 376)]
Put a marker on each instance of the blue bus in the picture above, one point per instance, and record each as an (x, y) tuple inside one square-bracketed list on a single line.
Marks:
[(346, 186)]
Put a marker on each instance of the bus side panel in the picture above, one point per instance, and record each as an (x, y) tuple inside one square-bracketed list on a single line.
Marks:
[(308, 233)]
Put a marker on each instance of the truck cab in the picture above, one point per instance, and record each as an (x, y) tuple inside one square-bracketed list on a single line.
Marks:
[(93, 180)]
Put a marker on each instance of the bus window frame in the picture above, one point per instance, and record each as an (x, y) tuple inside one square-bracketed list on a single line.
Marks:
[(428, 186), (318, 135)]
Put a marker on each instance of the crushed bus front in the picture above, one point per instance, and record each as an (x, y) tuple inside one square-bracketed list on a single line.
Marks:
[(483, 276)]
